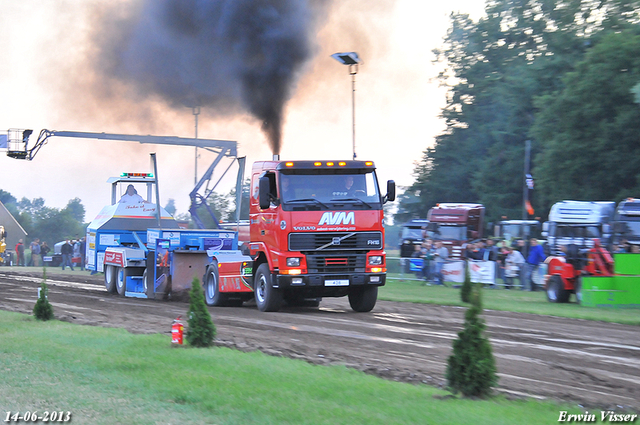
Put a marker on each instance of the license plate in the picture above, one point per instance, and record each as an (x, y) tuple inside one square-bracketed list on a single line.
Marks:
[(337, 282)]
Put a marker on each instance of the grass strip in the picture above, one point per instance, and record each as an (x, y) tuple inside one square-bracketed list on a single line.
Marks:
[(514, 300), (107, 376)]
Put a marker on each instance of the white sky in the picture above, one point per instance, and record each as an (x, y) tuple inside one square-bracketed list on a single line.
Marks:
[(397, 102)]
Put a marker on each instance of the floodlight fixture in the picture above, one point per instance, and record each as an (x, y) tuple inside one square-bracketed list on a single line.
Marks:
[(352, 60), (348, 58)]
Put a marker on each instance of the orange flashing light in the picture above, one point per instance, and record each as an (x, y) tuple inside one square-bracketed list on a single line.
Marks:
[(342, 164), (288, 164), (330, 164), (317, 164), (368, 163)]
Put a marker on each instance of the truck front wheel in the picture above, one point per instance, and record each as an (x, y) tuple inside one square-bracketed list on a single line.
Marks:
[(363, 299), (556, 292), (110, 279), (267, 297)]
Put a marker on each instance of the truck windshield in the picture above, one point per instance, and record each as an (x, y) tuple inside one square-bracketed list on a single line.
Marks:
[(449, 233), (578, 232), (513, 231), (302, 189), (413, 233), (632, 229)]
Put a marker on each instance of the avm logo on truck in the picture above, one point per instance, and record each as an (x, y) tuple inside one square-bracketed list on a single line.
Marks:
[(338, 218)]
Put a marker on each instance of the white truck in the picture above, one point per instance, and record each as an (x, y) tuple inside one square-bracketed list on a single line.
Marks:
[(579, 223)]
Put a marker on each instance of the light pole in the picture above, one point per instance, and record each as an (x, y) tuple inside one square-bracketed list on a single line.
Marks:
[(196, 112), (352, 60)]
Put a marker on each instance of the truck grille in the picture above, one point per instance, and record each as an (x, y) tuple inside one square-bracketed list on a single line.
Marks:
[(339, 263), (332, 241)]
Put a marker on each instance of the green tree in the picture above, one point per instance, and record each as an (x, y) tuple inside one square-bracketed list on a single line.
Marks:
[(171, 206), (216, 204), (495, 68), (471, 369), (244, 206), (75, 210), (200, 331), (43, 309), (467, 286), (589, 129), (51, 224)]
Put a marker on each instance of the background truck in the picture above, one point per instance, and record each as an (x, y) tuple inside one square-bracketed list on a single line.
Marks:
[(412, 235), (510, 230), (627, 222), (578, 223), (316, 230), (456, 224)]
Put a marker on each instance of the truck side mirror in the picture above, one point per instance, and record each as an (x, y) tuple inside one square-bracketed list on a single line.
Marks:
[(264, 195), (391, 191)]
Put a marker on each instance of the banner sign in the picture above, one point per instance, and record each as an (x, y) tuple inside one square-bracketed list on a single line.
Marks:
[(453, 271), (482, 271)]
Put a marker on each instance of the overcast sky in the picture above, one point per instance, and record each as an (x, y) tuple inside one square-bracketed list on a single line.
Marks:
[(46, 83)]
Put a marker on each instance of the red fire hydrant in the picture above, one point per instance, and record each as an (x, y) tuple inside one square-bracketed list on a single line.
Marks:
[(177, 331)]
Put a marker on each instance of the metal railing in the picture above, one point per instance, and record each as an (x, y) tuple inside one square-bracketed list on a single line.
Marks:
[(402, 268)]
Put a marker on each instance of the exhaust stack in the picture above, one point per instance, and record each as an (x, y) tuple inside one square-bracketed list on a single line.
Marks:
[(276, 157)]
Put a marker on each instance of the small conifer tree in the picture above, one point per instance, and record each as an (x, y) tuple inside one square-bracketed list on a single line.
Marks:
[(465, 290), (43, 309), (471, 369), (200, 330)]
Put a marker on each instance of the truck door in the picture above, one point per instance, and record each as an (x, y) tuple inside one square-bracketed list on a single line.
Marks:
[(263, 223)]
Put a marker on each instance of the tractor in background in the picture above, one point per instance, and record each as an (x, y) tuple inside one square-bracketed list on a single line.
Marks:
[(564, 273)]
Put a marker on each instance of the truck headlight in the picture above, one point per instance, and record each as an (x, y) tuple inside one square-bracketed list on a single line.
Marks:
[(293, 262), (375, 260)]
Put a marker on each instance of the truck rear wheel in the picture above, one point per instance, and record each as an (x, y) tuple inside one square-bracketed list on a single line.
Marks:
[(267, 297), (556, 293), (121, 280), (212, 295), (110, 279), (363, 299)]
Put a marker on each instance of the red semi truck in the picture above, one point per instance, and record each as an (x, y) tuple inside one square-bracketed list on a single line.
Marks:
[(316, 230), (456, 224)]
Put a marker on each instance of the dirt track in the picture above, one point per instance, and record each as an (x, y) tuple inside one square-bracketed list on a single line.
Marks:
[(594, 364)]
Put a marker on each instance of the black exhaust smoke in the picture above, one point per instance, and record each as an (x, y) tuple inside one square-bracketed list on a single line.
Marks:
[(232, 55)]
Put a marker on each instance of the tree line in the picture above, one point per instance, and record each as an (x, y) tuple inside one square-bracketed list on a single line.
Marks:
[(562, 74), (46, 223)]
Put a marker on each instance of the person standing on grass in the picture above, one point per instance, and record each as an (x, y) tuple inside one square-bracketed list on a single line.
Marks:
[(83, 246), (439, 257), (67, 251), (20, 253), (536, 256), (44, 250), (35, 252), (513, 267)]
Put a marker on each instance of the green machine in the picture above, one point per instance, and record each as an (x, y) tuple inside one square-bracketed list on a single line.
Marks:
[(622, 290)]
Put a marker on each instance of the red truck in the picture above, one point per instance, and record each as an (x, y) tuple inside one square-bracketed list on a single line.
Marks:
[(456, 224), (316, 230)]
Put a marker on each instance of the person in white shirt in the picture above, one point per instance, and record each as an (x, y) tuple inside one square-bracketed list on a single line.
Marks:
[(131, 197), (513, 267)]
